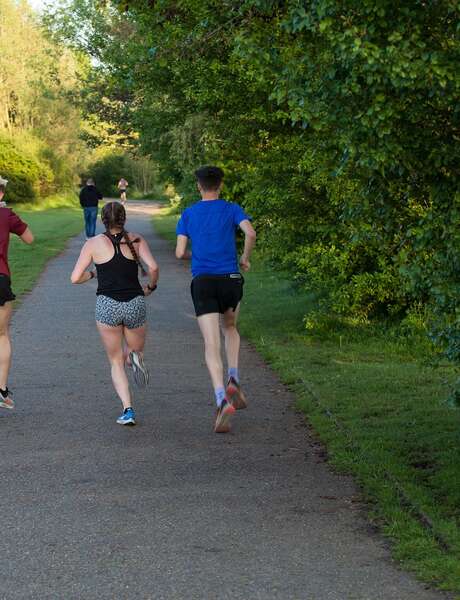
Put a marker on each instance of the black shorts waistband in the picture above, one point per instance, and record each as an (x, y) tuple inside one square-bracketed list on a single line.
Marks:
[(218, 276)]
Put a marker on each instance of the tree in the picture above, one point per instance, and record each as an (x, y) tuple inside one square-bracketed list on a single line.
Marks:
[(337, 125)]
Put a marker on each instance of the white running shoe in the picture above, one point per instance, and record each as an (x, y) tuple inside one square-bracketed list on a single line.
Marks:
[(140, 371), (5, 399)]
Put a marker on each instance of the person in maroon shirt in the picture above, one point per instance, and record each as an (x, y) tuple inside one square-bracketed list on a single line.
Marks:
[(9, 223)]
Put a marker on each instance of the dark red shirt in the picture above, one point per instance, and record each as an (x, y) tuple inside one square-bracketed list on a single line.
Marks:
[(9, 223)]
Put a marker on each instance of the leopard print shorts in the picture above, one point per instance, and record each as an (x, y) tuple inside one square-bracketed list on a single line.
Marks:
[(131, 314)]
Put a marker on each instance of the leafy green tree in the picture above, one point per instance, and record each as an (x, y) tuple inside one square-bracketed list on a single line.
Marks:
[(27, 178), (38, 83), (337, 124)]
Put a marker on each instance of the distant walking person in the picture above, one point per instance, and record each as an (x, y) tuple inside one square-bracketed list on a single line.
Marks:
[(217, 285), (120, 305), (89, 200), (9, 223), (122, 187)]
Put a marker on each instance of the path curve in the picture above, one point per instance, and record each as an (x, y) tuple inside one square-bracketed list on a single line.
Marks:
[(167, 510)]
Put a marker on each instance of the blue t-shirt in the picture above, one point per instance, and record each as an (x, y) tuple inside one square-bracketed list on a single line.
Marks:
[(211, 226)]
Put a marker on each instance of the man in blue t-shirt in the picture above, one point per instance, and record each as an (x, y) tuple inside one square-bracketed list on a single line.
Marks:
[(217, 285)]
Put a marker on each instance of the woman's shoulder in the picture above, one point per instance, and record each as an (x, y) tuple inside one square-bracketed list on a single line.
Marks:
[(135, 237), (97, 240)]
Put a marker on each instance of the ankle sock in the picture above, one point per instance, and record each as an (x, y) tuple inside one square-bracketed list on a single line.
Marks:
[(232, 372), (220, 395)]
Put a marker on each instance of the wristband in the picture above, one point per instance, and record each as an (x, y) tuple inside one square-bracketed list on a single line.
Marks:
[(152, 289)]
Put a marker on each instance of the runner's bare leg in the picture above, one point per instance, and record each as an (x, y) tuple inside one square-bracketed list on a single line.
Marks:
[(232, 336), (5, 343), (112, 338), (210, 330)]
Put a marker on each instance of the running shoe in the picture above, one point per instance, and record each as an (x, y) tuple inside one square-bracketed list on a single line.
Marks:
[(224, 414), (234, 393), (127, 418), (140, 371), (5, 399)]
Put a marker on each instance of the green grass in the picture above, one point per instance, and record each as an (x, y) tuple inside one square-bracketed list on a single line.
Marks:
[(165, 223), (65, 199), (375, 397), (52, 228)]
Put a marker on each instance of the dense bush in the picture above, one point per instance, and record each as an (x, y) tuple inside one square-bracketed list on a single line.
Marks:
[(109, 166), (27, 177), (336, 122), (39, 106), (107, 170)]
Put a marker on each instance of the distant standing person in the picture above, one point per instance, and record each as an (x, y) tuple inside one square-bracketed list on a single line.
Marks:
[(9, 223), (122, 187), (89, 200), (120, 305), (217, 285)]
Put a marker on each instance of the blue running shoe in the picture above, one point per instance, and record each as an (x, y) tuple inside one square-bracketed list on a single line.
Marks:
[(127, 418)]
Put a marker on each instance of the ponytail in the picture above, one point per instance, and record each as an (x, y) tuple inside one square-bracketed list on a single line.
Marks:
[(133, 251)]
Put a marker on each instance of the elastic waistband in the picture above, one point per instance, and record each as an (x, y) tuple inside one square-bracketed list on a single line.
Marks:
[(121, 296), (218, 276)]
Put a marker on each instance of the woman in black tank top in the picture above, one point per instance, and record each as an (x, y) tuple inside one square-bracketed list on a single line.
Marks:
[(118, 278), (120, 303)]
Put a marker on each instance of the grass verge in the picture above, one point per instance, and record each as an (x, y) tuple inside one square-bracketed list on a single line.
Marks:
[(52, 228), (375, 397), (65, 199)]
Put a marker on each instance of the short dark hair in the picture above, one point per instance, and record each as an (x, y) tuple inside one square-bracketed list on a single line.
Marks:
[(209, 177), (2, 189)]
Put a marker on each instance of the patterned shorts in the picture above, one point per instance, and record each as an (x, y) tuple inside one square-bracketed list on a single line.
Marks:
[(131, 314)]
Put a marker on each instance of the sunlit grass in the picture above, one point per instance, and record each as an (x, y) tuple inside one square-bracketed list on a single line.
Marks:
[(65, 199)]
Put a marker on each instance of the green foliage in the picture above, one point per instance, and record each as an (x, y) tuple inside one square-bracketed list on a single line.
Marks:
[(110, 165), (27, 177), (107, 170), (64, 199), (39, 109), (336, 123)]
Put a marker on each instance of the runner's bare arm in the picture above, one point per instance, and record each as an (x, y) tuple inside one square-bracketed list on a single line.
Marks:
[(181, 247), (249, 243), (79, 273), (147, 258), (27, 237)]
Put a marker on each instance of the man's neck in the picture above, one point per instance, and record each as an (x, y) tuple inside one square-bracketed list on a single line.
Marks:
[(210, 195)]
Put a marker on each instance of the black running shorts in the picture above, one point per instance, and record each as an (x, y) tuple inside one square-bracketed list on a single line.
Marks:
[(6, 293), (216, 293)]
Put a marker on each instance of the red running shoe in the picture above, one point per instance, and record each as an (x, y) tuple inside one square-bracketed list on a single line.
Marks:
[(224, 414), (234, 393)]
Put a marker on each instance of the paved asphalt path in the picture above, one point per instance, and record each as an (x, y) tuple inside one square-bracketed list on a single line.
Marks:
[(167, 510)]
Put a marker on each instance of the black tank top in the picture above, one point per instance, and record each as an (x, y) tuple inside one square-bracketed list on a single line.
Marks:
[(118, 277)]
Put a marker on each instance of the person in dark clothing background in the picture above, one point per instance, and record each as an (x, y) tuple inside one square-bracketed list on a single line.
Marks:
[(89, 200)]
